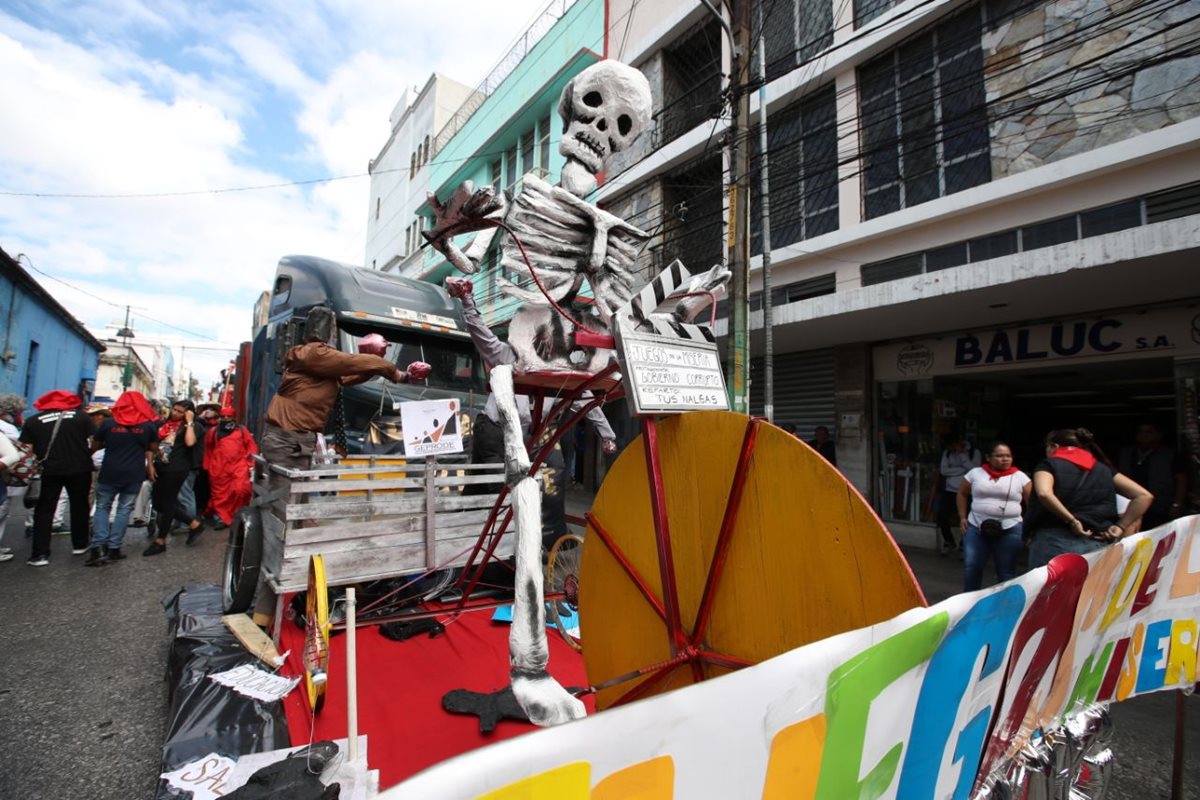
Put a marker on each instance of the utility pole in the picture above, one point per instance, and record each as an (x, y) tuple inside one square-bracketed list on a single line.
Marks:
[(764, 187), (739, 212), (126, 333)]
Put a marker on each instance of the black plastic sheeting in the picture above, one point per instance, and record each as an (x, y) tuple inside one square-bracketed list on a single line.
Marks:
[(207, 717)]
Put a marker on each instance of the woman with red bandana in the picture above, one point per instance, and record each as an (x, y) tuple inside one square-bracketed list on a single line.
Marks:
[(59, 435), (228, 455), (996, 492), (1074, 505)]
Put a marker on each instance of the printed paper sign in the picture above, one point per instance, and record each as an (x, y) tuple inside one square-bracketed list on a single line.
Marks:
[(257, 683), (666, 375), (430, 427), (207, 778)]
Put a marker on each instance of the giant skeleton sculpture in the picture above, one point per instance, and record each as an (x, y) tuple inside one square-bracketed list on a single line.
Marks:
[(569, 241)]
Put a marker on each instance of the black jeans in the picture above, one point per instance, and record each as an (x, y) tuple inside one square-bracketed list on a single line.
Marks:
[(78, 485), (166, 498), (947, 516)]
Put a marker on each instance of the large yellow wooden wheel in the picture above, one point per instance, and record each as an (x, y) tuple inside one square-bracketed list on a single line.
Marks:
[(761, 546)]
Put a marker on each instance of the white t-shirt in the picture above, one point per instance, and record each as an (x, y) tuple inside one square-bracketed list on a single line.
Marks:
[(995, 499)]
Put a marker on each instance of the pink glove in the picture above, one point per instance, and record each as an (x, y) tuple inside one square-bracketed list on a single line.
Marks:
[(608, 446), (460, 288), (418, 371)]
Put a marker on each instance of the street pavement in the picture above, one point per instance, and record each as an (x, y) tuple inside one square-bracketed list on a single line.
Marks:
[(83, 662)]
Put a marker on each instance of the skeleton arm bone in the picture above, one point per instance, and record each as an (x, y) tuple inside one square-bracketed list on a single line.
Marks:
[(465, 211)]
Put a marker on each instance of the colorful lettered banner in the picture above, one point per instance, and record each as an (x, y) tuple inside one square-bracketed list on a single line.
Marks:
[(928, 704)]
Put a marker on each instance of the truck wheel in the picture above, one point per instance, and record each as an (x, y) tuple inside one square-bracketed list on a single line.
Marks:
[(243, 554)]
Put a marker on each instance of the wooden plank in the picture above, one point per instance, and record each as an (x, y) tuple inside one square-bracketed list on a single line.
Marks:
[(356, 566), (350, 531), (415, 467), (253, 638), (333, 509)]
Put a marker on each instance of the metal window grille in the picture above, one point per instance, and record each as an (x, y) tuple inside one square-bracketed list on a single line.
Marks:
[(510, 167), (925, 130), (691, 83), (527, 151), (867, 10), (544, 146), (795, 31), (693, 216), (802, 150)]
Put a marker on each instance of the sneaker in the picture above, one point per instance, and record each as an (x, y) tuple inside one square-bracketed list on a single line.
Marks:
[(113, 555), (194, 534), (5, 550), (6, 556), (154, 549), (96, 557), (38, 561), (78, 551)]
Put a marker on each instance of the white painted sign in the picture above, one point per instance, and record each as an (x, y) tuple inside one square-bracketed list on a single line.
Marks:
[(257, 683), (420, 316), (1155, 334), (431, 427), (206, 778), (667, 375)]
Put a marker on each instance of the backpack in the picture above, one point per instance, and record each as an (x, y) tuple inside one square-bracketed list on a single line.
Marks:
[(26, 469)]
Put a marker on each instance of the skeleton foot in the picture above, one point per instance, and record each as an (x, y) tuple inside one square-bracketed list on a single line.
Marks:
[(544, 700)]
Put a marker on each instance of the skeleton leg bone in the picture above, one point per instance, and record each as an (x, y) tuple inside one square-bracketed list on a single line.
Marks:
[(539, 695)]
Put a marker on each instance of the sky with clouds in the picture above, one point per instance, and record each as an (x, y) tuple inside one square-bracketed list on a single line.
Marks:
[(188, 104)]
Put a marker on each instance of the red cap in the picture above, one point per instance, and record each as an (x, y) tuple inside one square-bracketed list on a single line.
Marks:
[(57, 400), (228, 411)]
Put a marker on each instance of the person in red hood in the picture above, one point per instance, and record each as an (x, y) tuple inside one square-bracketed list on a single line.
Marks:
[(1074, 503), (59, 435), (129, 439), (228, 456)]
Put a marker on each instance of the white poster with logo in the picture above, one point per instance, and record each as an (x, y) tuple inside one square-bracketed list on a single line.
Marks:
[(431, 427)]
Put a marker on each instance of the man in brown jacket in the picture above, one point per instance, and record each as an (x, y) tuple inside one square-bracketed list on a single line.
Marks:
[(313, 374)]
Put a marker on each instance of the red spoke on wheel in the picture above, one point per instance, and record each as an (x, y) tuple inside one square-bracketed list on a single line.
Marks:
[(630, 570), (662, 536), (732, 505)]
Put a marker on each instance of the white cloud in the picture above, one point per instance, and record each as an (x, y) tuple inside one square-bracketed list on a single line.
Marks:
[(124, 97)]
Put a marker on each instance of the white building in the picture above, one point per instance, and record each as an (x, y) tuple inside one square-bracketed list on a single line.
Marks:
[(400, 175), (983, 217)]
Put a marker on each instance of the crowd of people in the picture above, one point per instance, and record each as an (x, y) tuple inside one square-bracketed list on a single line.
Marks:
[(138, 461)]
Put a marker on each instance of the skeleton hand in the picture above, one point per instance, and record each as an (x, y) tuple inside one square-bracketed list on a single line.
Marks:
[(713, 281), (461, 289), (418, 371), (466, 211)]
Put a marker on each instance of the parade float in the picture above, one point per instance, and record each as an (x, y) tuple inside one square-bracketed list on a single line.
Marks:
[(732, 619)]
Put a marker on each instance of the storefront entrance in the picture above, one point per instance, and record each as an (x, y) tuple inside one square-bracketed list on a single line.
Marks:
[(930, 391)]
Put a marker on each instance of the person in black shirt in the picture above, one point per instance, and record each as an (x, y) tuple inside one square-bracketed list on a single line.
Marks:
[(127, 439), (823, 444), (1074, 504), (59, 436), (180, 450)]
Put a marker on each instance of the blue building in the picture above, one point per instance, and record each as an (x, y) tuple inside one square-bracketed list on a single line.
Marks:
[(44, 346)]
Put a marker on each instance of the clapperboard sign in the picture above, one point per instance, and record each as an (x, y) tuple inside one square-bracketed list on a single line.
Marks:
[(669, 366), (430, 427)]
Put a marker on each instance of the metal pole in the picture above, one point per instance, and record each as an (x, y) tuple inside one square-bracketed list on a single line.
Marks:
[(739, 217), (127, 373), (351, 674), (764, 186)]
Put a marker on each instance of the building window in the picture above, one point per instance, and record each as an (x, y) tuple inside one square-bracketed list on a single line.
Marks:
[(691, 83), (377, 205), (496, 174), (925, 130), (544, 147), (802, 141), (795, 31), (412, 164), (426, 161), (510, 167), (867, 10), (527, 152), (694, 214)]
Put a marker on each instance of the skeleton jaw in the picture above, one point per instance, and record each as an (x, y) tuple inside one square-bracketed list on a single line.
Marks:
[(577, 178)]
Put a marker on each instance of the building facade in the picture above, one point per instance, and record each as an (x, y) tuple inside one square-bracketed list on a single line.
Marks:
[(45, 347), (119, 361), (981, 218), (400, 172), (981, 213)]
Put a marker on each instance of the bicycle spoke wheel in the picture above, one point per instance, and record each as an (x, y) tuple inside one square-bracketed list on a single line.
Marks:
[(316, 634), (562, 576)]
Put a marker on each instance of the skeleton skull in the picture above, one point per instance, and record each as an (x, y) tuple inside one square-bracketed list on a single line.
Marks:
[(603, 110)]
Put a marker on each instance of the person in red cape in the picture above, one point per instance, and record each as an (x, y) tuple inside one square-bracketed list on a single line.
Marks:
[(128, 439), (59, 435), (996, 492), (1074, 504), (229, 451)]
